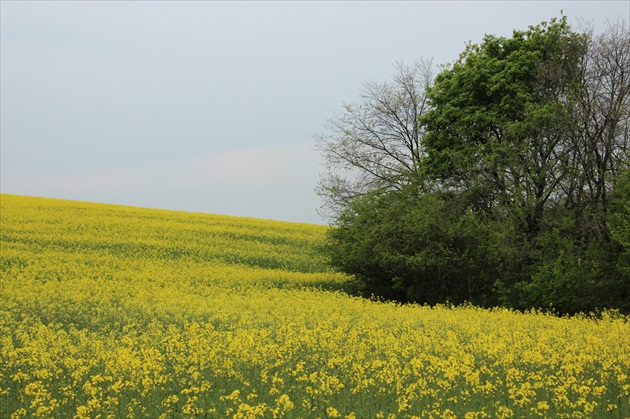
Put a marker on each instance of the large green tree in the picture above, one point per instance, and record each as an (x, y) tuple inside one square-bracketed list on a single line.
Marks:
[(535, 128), (512, 198), (500, 121)]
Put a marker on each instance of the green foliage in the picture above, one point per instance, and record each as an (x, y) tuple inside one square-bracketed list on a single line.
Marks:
[(619, 223), (620, 217), (524, 138), (499, 113), (415, 246), (564, 270)]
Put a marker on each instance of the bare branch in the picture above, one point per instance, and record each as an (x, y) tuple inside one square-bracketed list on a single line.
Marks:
[(373, 144)]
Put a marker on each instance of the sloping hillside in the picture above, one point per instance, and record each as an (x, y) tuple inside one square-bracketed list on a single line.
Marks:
[(128, 312)]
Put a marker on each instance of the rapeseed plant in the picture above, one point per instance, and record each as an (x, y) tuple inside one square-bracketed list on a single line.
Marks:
[(123, 312)]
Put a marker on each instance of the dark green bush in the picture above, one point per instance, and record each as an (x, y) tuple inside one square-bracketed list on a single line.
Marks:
[(413, 246)]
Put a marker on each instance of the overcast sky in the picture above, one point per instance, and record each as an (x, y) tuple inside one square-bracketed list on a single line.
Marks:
[(212, 106)]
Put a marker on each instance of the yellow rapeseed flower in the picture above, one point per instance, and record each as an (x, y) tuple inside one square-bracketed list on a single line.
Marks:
[(109, 311)]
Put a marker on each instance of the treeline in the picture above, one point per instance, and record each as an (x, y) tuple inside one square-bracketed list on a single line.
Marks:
[(503, 180)]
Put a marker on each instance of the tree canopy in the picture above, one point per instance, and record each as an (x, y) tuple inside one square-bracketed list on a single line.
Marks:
[(515, 189)]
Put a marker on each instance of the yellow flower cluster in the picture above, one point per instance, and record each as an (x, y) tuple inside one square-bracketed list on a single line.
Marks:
[(109, 311)]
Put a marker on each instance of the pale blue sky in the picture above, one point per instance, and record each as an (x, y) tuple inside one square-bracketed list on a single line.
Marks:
[(211, 106)]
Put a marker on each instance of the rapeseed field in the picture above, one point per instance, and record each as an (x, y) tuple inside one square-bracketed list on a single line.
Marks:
[(111, 312)]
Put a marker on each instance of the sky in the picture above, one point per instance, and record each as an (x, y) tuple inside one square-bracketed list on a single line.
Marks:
[(211, 106)]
